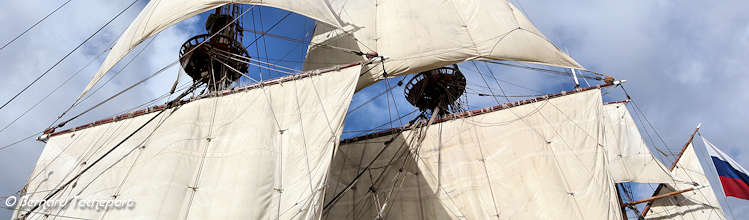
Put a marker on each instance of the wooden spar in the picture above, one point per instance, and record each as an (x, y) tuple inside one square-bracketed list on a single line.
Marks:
[(481, 111), (51, 131), (684, 148), (673, 165), (621, 202), (616, 102), (659, 197)]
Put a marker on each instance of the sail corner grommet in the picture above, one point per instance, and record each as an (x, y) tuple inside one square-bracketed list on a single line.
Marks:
[(43, 138), (372, 54)]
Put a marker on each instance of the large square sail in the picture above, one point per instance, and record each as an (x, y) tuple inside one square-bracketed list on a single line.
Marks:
[(258, 152), (543, 159)]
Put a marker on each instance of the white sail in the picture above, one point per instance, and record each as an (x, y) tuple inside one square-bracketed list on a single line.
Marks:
[(416, 36), (541, 160), (413, 35), (700, 203), (262, 153), (405, 191), (630, 160)]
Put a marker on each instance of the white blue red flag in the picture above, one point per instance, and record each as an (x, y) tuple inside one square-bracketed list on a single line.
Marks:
[(733, 177)]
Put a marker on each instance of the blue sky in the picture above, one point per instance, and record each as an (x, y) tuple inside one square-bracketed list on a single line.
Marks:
[(685, 63)]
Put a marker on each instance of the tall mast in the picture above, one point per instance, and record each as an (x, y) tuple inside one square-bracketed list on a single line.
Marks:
[(621, 202), (660, 186)]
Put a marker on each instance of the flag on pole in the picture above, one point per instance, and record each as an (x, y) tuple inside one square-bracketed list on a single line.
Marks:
[(733, 177)]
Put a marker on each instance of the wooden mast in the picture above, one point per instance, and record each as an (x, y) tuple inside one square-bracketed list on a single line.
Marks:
[(673, 165), (621, 202)]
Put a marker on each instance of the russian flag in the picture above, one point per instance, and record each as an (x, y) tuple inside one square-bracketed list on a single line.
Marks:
[(733, 177)]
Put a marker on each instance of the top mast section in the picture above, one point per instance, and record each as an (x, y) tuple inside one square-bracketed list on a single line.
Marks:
[(215, 58)]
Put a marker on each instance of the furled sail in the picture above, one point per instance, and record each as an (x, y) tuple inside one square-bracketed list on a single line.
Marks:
[(630, 160), (413, 35), (541, 160), (700, 203), (258, 152)]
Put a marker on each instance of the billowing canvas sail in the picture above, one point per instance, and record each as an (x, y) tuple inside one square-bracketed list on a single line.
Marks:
[(630, 160), (416, 36), (393, 180), (413, 35), (542, 160), (260, 153), (700, 203)]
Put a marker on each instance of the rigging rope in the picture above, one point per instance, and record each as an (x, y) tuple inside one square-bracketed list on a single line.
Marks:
[(556, 161), (67, 55), (236, 56), (112, 133), (140, 146), (549, 70), (379, 154), (265, 43), (369, 101), (48, 214), (168, 106), (77, 101), (637, 108), (257, 49), (351, 184), (118, 94), (405, 156), (486, 171), (120, 70), (487, 83), (307, 42), (53, 91), (381, 125), (204, 154), (19, 141), (642, 114), (35, 24)]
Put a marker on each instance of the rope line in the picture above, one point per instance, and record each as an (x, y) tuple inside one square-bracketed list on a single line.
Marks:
[(67, 55), (118, 94), (306, 42), (171, 103), (19, 141), (556, 159), (35, 24), (546, 70), (166, 67), (204, 154), (120, 70), (53, 91), (48, 214)]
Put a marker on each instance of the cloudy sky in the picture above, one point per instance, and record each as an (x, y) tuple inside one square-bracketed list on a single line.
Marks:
[(684, 62)]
